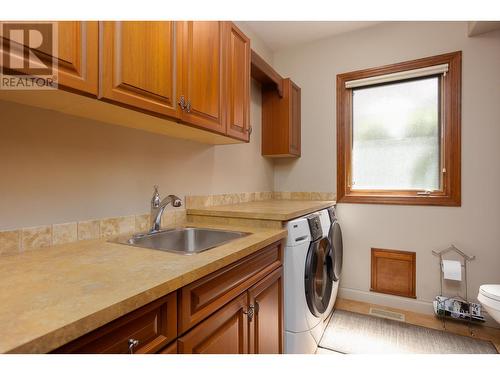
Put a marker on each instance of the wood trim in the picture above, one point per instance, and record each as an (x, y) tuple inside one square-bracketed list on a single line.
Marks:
[(393, 272), (451, 127), (264, 73)]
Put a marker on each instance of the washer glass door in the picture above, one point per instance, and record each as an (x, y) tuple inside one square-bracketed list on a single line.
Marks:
[(319, 276)]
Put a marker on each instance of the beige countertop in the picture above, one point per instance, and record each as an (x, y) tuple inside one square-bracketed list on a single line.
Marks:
[(279, 210), (51, 296)]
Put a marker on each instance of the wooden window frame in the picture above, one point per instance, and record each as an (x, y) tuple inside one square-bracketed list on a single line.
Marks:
[(450, 195)]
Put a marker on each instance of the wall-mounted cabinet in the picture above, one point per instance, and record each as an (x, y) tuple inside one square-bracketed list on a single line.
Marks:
[(77, 55), (281, 121), (238, 83), (281, 107), (137, 66), (192, 75)]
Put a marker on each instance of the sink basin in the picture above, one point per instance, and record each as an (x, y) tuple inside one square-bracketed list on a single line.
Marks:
[(182, 240)]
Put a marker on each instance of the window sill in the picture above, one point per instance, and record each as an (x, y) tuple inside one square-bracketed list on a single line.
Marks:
[(393, 198)]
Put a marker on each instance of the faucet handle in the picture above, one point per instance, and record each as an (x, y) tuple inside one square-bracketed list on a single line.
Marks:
[(155, 201)]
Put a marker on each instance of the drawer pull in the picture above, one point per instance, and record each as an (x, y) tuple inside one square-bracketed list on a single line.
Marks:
[(132, 343), (250, 312)]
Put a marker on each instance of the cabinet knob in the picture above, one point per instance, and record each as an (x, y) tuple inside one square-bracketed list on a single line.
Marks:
[(132, 344), (182, 102)]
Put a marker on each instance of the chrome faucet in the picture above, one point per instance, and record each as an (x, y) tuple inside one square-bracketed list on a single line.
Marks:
[(158, 206)]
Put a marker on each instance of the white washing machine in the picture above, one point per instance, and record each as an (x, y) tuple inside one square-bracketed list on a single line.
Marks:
[(310, 288)]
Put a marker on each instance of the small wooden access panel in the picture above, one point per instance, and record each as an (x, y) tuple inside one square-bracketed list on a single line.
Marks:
[(393, 272)]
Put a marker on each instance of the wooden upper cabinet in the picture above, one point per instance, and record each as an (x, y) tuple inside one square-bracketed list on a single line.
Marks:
[(77, 55), (266, 327), (201, 67), (281, 121), (78, 46), (138, 65), (238, 83)]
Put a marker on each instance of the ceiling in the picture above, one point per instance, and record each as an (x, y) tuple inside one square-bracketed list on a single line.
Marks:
[(282, 34)]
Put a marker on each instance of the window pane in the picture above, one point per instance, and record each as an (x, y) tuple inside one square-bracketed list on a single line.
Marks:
[(396, 136)]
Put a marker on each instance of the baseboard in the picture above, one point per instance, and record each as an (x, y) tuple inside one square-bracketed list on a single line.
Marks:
[(409, 304)]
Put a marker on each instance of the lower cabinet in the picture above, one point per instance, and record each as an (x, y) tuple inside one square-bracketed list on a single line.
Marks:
[(146, 330), (225, 332), (235, 310), (266, 327), (251, 323)]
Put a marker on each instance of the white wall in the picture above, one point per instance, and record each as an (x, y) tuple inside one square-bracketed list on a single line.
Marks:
[(473, 227)]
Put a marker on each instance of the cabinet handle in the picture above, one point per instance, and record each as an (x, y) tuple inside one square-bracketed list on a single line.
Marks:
[(188, 106), (182, 102), (250, 312), (132, 344)]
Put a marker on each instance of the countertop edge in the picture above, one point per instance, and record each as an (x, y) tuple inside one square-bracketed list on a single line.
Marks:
[(222, 211)]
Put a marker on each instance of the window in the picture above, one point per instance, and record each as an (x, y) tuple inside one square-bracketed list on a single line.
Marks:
[(398, 133)]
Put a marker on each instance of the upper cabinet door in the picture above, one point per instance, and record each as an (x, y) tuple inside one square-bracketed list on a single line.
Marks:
[(238, 83), (78, 46), (200, 67), (76, 59), (138, 65)]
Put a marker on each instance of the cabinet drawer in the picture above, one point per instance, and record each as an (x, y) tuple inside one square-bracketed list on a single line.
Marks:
[(203, 297), (153, 325)]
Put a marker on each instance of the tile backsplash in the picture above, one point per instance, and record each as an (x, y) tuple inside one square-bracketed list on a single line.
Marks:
[(24, 239)]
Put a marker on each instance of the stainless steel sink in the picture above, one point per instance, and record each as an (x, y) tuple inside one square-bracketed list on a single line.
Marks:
[(182, 240)]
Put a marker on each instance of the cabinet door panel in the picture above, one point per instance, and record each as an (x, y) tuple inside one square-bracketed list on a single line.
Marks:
[(201, 66), (225, 332), (138, 64), (77, 55), (238, 83), (266, 327)]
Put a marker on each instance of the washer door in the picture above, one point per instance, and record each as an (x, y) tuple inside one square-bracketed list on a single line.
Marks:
[(335, 237), (319, 276)]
